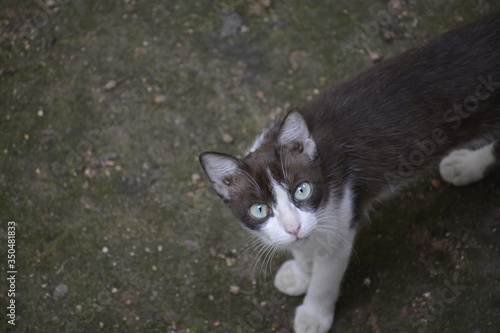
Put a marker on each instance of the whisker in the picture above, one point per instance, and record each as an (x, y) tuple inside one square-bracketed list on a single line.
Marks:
[(325, 228), (250, 246), (265, 262), (264, 265), (262, 248), (283, 164), (252, 180)]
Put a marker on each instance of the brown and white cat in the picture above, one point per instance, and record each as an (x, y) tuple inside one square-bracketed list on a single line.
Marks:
[(309, 180)]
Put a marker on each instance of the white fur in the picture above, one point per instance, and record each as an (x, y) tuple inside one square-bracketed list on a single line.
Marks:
[(257, 143), (291, 279), (286, 218), (319, 264), (465, 166)]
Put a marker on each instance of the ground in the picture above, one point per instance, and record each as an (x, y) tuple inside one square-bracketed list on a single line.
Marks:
[(105, 108)]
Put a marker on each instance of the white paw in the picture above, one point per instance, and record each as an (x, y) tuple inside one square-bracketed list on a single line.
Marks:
[(465, 166), (308, 320), (291, 279)]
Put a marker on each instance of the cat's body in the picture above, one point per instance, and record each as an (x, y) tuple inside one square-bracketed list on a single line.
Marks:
[(307, 182)]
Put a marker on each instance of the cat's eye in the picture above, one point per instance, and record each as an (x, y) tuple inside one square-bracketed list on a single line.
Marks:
[(260, 211), (303, 191)]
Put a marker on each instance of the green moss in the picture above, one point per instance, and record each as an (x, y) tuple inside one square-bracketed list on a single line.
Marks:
[(141, 244)]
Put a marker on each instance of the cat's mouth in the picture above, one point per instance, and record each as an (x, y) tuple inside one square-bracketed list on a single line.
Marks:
[(300, 240)]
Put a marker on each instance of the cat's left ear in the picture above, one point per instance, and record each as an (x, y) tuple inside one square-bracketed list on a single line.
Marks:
[(294, 132)]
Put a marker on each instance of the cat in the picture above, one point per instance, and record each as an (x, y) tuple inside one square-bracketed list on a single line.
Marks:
[(308, 182)]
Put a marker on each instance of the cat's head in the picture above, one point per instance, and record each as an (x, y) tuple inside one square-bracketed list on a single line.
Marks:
[(277, 189)]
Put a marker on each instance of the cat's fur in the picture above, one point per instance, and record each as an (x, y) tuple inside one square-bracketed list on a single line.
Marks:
[(358, 143)]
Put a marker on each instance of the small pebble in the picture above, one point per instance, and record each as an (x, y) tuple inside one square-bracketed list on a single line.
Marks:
[(231, 23), (435, 183), (230, 262), (110, 85), (60, 291), (195, 178), (234, 290), (374, 56), (51, 3), (105, 249), (191, 245), (160, 99), (227, 138), (261, 96)]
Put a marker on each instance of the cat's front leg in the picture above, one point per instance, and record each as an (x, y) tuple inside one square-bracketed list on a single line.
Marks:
[(330, 262), (294, 275)]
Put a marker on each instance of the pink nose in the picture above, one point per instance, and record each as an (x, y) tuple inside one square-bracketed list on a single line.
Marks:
[(293, 230)]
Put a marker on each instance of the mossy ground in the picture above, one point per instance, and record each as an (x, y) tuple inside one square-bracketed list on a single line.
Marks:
[(106, 106)]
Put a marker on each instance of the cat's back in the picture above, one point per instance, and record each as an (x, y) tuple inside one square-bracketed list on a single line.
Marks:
[(417, 86)]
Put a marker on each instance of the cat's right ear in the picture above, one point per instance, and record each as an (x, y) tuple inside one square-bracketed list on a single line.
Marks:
[(221, 169), (294, 130)]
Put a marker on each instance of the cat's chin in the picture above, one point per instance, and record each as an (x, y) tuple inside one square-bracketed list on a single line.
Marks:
[(291, 243), (298, 242)]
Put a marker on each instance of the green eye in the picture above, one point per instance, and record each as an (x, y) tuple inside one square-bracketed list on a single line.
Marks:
[(303, 191), (260, 211)]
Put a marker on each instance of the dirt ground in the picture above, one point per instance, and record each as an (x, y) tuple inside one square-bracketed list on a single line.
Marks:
[(105, 108)]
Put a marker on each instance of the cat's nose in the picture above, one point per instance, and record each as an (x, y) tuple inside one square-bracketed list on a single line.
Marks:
[(293, 230)]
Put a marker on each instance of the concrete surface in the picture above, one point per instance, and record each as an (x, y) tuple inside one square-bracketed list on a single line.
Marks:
[(105, 107)]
